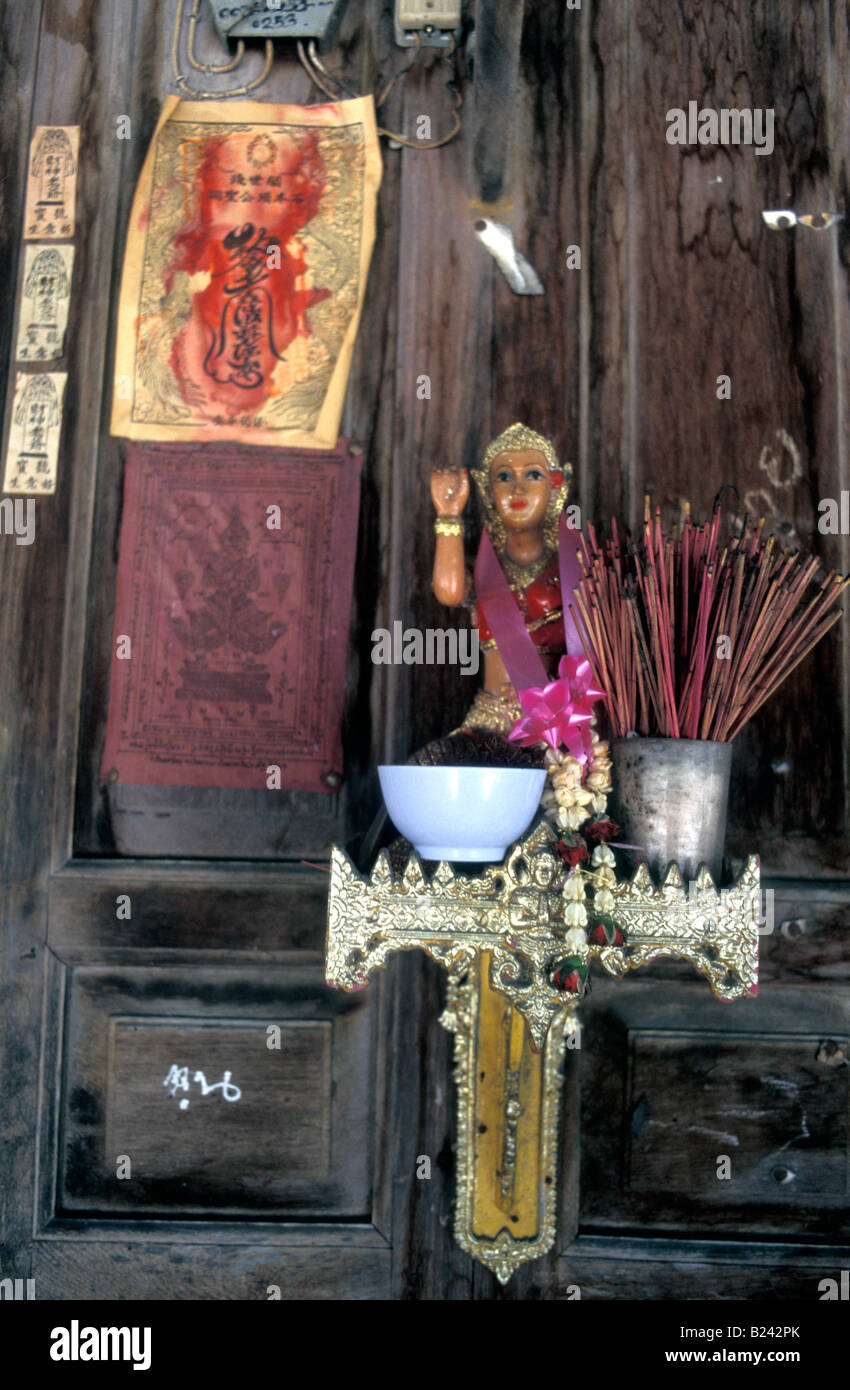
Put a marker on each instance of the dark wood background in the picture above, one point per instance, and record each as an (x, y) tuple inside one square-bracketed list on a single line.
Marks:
[(680, 281)]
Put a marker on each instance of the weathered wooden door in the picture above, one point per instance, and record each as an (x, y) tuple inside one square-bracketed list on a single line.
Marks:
[(307, 1182), (191, 1110)]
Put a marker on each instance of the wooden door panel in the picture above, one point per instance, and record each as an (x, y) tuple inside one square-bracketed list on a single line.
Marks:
[(222, 909), (683, 1270), (672, 1082), (810, 939), (771, 1103), (139, 1270), (171, 1068), (223, 822)]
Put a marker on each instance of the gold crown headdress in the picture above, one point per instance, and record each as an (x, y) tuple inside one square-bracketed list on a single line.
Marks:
[(519, 436)]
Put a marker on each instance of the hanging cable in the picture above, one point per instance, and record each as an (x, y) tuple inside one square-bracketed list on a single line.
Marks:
[(313, 55), (317, 72), (316, 78), (210, 67)]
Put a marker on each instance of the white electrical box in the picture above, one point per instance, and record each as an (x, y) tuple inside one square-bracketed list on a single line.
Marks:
[(427, 14)]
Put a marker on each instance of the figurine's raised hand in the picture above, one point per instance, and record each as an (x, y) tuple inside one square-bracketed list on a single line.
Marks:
[(449, 490)]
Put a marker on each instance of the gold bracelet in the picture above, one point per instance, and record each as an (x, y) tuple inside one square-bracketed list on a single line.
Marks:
[(447, 526)]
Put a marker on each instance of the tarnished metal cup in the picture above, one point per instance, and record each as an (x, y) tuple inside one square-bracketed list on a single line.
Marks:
[(670, 797)]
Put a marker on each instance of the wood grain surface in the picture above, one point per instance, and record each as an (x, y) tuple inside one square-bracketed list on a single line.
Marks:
[(680, 282)]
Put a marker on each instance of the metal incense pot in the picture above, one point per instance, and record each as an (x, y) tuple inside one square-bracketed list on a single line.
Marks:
[(670, 797)]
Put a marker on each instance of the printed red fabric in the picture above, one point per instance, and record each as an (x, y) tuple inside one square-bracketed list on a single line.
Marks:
[(235, 579)]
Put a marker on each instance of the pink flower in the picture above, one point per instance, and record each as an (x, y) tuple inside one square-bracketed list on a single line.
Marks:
[(559, 713)]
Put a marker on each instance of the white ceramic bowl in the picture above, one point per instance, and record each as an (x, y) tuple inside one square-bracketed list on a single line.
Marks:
[(461, 813)]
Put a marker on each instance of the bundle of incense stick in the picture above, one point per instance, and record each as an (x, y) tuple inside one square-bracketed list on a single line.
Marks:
[(689, 639)]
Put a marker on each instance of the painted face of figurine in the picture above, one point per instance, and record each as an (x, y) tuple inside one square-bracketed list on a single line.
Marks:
[(521, 488)]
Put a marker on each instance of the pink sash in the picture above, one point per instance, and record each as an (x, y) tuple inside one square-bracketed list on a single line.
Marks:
[(555, 712)]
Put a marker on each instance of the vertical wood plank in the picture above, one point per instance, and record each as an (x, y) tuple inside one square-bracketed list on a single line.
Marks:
[(715, 292), (202, 822), (95, 553), (680, 281), (607, 339), (17, 82), (838, 118), (442, 308), (84, 63), (444, 325), (536, 373), (369, 418)]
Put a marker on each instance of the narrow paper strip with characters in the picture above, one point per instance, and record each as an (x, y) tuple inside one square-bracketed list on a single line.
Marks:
[(45, 296), (51, 202), (33, 449)]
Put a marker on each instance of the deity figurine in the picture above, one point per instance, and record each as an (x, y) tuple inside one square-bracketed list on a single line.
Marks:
[(523, 491)]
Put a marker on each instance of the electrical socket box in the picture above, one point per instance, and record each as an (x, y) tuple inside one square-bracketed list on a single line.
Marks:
[(429, 23), (427, 14)]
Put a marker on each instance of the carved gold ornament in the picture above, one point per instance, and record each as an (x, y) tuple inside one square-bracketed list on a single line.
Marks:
[(519, 913), (514, 941)]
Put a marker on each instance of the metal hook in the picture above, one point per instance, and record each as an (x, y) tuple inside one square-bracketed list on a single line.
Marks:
[(210, 67), (780, 218)]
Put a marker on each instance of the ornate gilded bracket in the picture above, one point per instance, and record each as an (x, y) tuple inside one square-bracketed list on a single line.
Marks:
[(507, 938), (508, 1115)]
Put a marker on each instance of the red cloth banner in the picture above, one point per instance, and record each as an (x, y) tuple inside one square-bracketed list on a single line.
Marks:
[(230, 640)]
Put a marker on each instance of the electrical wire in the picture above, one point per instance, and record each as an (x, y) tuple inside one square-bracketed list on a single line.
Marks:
[(210, 67), (317, 72)]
